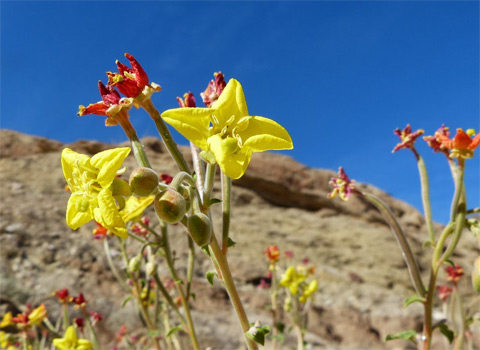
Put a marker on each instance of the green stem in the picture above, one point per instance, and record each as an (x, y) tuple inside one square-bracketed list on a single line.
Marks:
[(227, 278), (139, 153), (166, 136), (66, 318), (458, 190), (191, 265), (198, 167), (273, 296), (115, 272), (93, 334), (428, 306), (299, 332), (426, 198), (402, 241), (459, 225), (173, 272), (181, 177), (170, 301), (226, 197), (208, 187)]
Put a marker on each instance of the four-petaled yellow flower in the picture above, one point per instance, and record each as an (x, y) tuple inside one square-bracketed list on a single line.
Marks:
[(71, 341), (93, 184), (228, 132)]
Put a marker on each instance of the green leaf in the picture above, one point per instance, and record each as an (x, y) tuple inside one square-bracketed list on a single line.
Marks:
[(414, 299), (280, 326), (205, 249), (214, 201), (173, 330), (450, 262), (446, 332), (210, 276), (407, 335), (426, 244), (231, 243), (126, 300)]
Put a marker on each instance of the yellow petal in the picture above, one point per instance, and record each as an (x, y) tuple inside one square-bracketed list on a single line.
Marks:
[(70, 161), (265, 134), (79, 211), (232, 164), (231, 102), (134, 207), (107, 214), (108, 162), (84, 344), (192, 123)]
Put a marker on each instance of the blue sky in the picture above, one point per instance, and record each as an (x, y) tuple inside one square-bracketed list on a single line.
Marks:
[(340, 76)]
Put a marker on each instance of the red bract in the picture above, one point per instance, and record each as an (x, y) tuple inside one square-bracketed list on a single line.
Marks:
[(79, 300), (79, 322), (129, 81)]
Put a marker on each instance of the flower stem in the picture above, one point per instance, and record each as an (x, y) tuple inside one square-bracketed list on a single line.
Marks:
[(208, 187), (191, 264), (227, 278), (178, 282), (198, 167), (115, 272), (93, 334), (273, 296), (402, 241), (426, 198), (458, 190), (226, 196), (299, 332), (428, 305), (166, 136)]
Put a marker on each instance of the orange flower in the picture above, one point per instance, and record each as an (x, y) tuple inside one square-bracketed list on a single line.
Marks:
[(462, 145)]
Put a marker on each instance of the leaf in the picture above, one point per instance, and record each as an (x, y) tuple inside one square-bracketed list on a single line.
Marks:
[(231, 243), (126, 300), (414, 299), (407, 335), (173, 330), (450, 262), (448, 333), (205, 250), (280, 326), (426, 244), (214, 201), (210, 276)]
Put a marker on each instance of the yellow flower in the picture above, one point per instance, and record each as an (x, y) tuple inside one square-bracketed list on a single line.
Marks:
[(7, 341), (91, 181), (71, 342), (312, 288), (6, 320), (292, 279), (37, 315), (227, 133), (134, 208)]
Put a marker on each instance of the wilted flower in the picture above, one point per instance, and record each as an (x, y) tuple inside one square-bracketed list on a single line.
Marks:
[(187, 101), (214, 89), (454, 273), (407, 138), (79, 300), (444, 292), (434, 143), (62, 295), (342, 185)]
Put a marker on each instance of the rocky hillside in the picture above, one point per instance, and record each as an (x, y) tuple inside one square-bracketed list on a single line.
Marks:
[(363, 279)]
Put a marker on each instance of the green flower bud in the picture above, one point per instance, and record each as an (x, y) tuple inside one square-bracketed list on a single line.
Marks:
[(143, 181), (151, 268), (135, 263), (200, 228), (476, 275), (170, 206), (184, 192)]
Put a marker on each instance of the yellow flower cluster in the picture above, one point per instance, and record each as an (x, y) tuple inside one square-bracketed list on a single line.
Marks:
[(71, 341), (295, 280)]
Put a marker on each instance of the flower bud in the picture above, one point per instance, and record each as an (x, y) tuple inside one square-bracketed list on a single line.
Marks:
[(476, 275), (170, 206), (135, 263), (143, 181), (151, 268), (200, 228)]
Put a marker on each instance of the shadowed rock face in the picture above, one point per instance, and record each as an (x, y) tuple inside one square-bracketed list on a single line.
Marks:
[(363, 279)]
